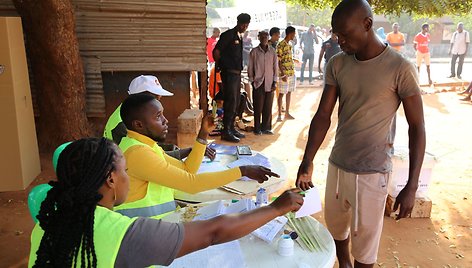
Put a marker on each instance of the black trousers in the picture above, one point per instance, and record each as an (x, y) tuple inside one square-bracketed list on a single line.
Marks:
[(231, 96), (453, 63), (262, 102)]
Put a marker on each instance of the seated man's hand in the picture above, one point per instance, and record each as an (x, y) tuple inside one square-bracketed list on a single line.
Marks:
[(206, 127), (210, 153), (257, 173)]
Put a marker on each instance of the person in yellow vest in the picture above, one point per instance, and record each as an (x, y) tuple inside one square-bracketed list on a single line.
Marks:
[(78, 227), (145, 84), (153, 174)]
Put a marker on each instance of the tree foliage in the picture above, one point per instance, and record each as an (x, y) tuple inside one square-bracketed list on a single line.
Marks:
[(426, 8), (299, 15)]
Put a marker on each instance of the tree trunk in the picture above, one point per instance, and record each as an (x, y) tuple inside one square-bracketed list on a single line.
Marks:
[(58, 70)]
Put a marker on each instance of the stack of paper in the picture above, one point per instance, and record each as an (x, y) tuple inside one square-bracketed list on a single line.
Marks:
[(218, 208)]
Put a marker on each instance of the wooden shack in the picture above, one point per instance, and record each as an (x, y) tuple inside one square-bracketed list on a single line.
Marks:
[(121, 39)]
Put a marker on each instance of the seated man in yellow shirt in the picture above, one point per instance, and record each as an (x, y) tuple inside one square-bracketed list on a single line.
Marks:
[(153, 174)]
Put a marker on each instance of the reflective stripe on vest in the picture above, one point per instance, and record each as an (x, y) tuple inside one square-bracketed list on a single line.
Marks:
[(148, 211), (158, 201), (109, 228)]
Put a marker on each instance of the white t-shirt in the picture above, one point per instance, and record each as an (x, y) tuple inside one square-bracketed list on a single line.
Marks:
[(459, 41)]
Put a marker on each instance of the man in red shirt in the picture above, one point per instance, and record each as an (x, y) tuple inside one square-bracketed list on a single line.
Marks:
[(420, 44), (211, 43)]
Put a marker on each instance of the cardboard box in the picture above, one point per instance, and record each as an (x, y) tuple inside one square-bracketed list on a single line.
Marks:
[(400, 170), (189, 121), (422, 208)]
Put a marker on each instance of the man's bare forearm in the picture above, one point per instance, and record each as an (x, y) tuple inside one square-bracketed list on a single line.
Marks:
[(318, 128), (417, 144)]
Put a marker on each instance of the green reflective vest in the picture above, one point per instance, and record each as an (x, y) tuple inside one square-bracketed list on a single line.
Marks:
[(158, 201), (109, 228), (115, 129)]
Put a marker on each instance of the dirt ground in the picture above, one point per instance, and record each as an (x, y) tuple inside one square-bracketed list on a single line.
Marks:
[(444, 240)]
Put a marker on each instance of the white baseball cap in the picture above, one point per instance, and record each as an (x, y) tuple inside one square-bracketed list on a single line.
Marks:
[(148, 83)]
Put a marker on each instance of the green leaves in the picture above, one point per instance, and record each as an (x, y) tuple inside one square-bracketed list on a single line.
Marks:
[(427, 8)]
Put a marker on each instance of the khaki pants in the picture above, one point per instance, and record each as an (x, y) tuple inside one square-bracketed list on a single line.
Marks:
[(355, 204)]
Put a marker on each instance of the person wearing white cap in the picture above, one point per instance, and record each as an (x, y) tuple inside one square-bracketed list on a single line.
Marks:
[(115, 129)]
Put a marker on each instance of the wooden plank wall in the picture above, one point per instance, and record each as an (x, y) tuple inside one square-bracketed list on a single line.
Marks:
[(134, 35), (143, 35)]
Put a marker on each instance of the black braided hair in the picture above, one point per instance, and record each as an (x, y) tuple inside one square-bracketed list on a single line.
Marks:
[(67, 213)]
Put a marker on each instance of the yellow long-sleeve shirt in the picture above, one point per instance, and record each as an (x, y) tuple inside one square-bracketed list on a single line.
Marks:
[(144, 165)]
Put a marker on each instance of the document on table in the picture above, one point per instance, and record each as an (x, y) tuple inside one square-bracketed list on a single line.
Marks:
[(311, 203), (227, 255), (271, 229), (211, 167)]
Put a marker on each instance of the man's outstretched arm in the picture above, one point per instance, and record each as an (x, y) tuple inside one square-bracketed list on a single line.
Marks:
[(318, 128)]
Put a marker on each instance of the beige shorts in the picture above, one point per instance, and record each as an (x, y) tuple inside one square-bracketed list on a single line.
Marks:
[(355, 204), (422, 56)]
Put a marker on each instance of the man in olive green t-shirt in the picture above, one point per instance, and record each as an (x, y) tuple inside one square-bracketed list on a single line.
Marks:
[(370, 80)]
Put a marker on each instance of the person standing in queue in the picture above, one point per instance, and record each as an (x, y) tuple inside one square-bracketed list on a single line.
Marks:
[(228, 55), (78, 227)]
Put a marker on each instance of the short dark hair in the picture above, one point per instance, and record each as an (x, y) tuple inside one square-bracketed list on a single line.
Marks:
[(424, 25), (262, 33), (244, 18), (274, 30), (131, 109), (289, 30)]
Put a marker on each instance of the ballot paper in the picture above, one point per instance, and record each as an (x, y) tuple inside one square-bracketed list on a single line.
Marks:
[(227, 255), (271, 229), (311, 203)]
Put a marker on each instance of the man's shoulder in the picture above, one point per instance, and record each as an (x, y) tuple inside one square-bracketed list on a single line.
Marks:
[(227, 34)]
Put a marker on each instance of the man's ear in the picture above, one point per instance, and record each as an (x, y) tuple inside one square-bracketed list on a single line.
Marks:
[(368, 22), (137, 124)]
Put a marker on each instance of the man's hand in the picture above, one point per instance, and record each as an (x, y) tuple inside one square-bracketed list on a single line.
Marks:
[(284, 78), (274, 86), (210, 153), (290, 201), (305, 171), (406, 201), (257, 173), (206, 127)]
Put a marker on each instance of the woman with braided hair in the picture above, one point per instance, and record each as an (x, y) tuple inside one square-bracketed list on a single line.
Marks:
[(78, 228)]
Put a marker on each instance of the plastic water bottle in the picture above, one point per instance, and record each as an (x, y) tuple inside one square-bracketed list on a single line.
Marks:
[(261, 197)]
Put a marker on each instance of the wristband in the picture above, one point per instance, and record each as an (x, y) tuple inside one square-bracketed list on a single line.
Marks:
[(202, 141)]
